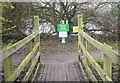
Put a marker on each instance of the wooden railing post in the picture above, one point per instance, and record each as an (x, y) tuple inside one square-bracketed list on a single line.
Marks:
[(36, 39), (107, 65), (80, 26), (36, 27), (7, 67)]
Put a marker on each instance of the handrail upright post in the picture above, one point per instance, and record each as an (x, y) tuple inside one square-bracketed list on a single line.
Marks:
[(107, 64), (36, 40), (80, 26), (36, 25), (36, 28), (7, 67)]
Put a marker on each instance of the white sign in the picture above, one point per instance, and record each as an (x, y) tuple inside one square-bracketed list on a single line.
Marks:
[(62, 34)]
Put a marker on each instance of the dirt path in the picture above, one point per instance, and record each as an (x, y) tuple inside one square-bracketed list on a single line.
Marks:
[(52, 51), (59, 62), (55, 52)]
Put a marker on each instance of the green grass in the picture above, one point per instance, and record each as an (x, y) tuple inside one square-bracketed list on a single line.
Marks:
[(100, 60)]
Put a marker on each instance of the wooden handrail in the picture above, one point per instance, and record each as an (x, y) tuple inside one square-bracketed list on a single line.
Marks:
[(26, 78), (10, 50), (9, 74), (105, 49), (109, 55), (22, 65), (100, 71)]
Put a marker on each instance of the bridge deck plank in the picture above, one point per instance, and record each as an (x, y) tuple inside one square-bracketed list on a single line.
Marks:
[(52, 70), (73, 71), (60, 72)]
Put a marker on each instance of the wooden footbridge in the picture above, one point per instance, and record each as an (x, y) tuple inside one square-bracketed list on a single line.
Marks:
[(79, 70)]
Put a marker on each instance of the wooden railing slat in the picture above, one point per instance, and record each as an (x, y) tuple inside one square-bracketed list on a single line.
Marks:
[(100, 71), (87, 69), (34, 76), (106, 50), (5, 54), (8, 51), (26, 78), (29, 48), (18, 70)]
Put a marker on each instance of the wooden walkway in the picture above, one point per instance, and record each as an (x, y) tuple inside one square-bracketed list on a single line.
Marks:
[(59, 64), (61, 72)]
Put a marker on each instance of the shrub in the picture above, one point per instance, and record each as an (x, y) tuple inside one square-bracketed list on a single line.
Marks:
[(100, 61), (12, 41)]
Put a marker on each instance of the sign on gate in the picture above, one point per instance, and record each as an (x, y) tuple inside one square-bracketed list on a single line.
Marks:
[(62, 27)]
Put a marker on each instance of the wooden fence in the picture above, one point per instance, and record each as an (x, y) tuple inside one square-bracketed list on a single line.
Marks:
[(9, 74), (110, 56)]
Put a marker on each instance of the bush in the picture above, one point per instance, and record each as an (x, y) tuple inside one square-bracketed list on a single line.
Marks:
[(100, 61), (9, 43), (42, 35), (12, 41)]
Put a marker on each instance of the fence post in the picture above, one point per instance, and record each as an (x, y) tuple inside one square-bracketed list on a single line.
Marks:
[(80, 26), (107, 65), (36, 27), (7, 67)]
